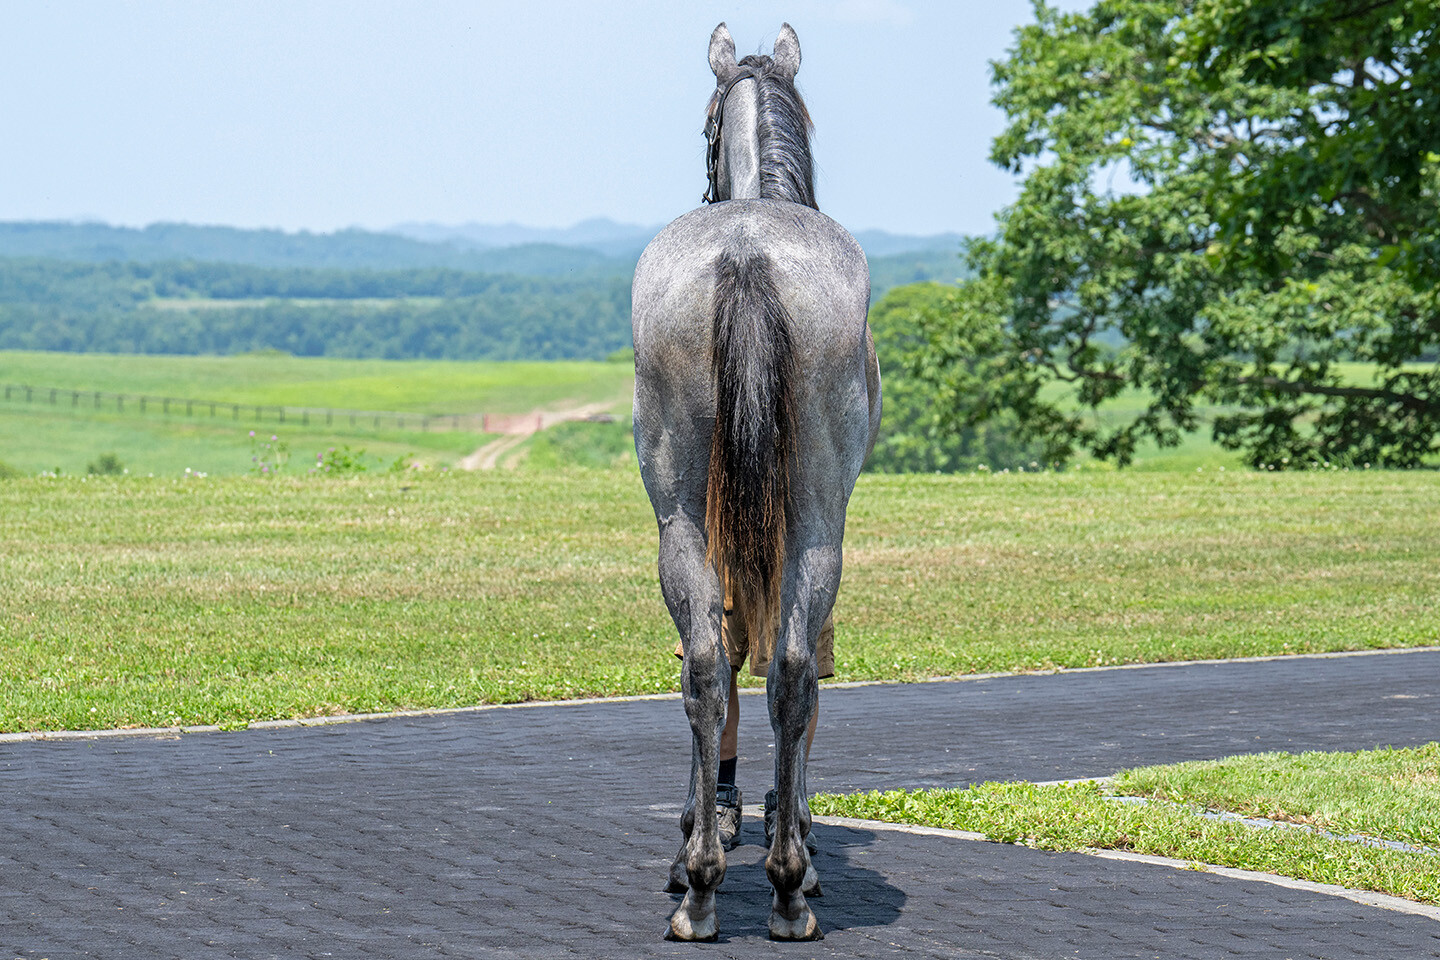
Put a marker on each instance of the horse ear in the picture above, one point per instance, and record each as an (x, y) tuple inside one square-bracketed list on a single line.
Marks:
[(787, 52), (722, 54)]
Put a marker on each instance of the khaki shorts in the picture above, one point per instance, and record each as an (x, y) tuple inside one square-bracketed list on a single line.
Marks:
[(737, 645)]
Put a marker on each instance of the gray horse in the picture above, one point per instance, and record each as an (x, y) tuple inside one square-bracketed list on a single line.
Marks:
[(757, 400)]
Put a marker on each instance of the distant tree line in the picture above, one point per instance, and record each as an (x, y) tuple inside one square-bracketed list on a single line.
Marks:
[(189, 307), (431, 313)]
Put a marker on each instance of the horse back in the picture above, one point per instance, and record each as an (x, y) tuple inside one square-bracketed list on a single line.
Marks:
[(818, 273), (818, 269)]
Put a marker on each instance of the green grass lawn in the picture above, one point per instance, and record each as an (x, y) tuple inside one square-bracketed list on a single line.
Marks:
[(1391, 794), (38, 440), (138, 601), (1385, 794), (419, 386), (37, 436)]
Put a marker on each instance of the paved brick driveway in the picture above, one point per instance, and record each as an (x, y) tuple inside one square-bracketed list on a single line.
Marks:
[(545, 832)]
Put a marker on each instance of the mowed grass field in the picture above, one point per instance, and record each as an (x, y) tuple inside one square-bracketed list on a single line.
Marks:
[(140, 602), (37, 437)]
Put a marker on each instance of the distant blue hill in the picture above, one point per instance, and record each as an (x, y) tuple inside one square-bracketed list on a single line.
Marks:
[(344, 249), (592, 249), (625, 239), (600, 234)]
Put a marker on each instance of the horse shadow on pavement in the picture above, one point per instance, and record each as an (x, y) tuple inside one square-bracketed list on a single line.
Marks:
[(854, 895)]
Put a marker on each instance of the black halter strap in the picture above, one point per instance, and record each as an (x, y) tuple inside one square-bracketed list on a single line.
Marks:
[(713, 123)]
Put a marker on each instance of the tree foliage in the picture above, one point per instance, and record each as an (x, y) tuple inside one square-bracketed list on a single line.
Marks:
[(1225, 202), (222, 308), (927, 362)]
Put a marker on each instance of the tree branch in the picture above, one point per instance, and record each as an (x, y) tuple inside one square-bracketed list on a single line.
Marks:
[(1409, 401)]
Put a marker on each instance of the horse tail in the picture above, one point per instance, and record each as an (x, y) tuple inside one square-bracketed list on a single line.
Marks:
[(753, 445)]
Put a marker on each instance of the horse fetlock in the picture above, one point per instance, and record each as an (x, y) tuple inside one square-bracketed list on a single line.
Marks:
[(706, 871), (788, 865)]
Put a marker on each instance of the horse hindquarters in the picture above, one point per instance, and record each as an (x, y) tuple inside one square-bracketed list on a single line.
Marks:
[(735, 420)]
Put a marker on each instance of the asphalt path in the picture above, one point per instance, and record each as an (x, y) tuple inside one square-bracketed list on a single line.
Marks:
[(546, 831)]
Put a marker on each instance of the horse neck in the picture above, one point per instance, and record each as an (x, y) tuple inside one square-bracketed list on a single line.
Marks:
[(740, 143), (765, 145)]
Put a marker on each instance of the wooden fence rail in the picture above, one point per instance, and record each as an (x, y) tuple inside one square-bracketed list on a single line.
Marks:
[(259, 412)]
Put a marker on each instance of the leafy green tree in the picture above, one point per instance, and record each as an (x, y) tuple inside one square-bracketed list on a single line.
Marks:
[(926, 363), (1228, 202)]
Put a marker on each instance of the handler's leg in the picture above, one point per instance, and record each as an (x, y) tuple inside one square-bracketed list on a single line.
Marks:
[(728, 802), (730, 735)]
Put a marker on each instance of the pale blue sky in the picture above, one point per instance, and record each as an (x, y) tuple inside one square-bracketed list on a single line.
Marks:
[(320, 115)]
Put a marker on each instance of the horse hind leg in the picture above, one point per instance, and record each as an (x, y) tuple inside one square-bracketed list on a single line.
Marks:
[(793, 687), (692, 594), (788, 866)]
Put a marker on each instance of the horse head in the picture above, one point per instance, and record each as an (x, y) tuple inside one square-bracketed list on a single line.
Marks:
[(757, 128)]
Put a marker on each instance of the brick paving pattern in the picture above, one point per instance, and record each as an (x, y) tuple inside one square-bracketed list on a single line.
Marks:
[(546, 832)]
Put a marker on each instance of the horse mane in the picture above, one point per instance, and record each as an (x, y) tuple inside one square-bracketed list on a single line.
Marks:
[(787, 169)]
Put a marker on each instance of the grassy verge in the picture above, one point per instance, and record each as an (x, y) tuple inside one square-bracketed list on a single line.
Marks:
[(1079, 816), (1390, 794), (137, 601)]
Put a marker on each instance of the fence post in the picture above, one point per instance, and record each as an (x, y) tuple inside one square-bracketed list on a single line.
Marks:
[(142, 404), (305, 417), (165, 405), (53, 391)]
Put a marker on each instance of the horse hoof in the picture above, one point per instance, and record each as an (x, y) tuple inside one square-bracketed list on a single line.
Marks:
[(685, 928), (803, 927), (810, 886)]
